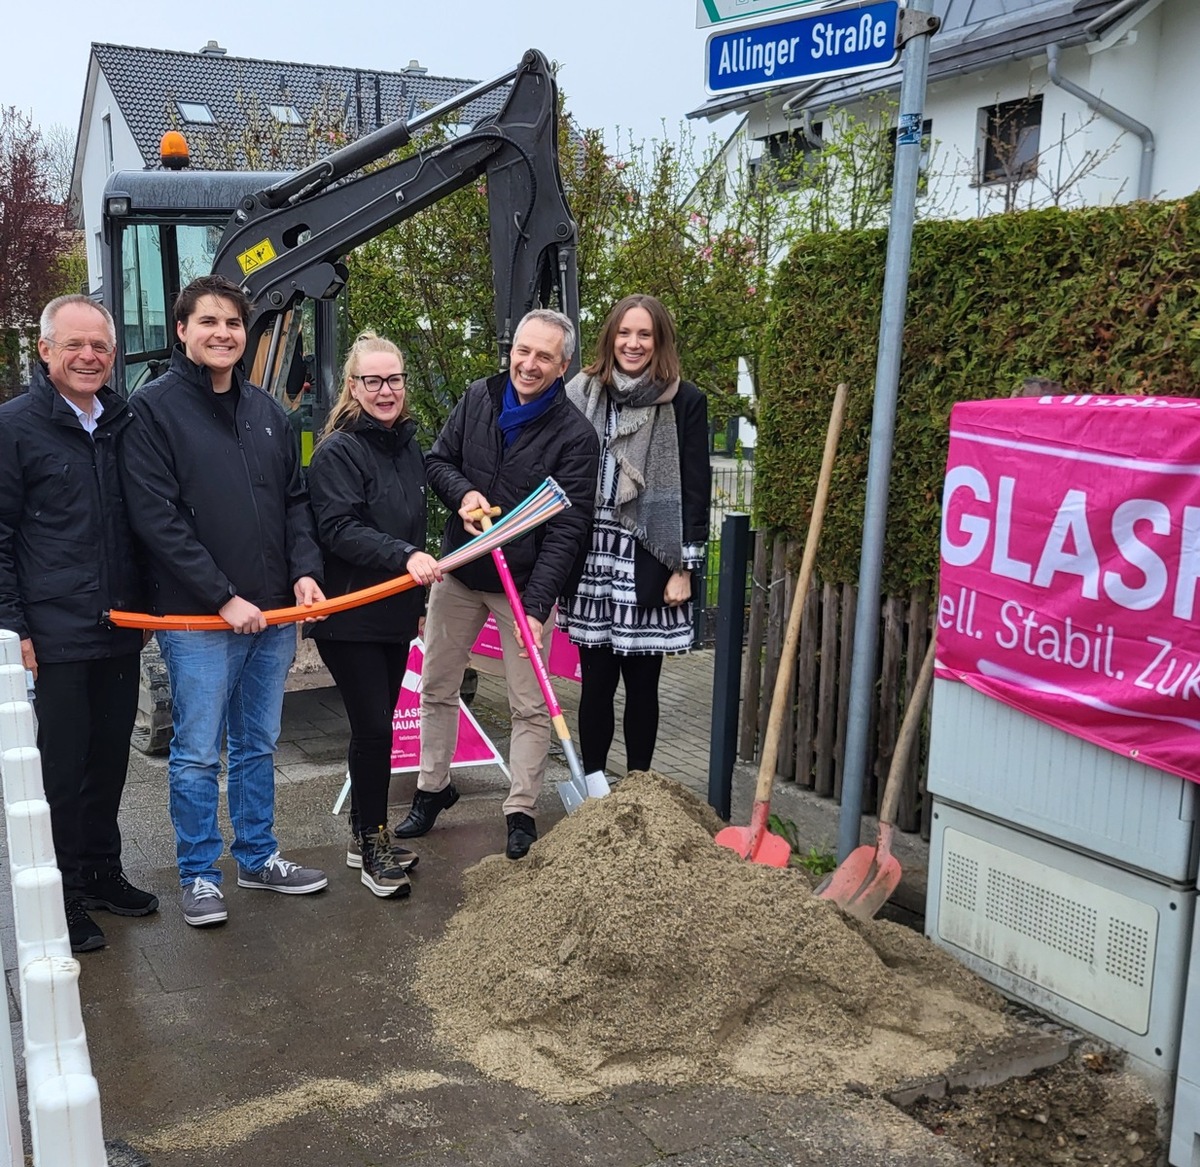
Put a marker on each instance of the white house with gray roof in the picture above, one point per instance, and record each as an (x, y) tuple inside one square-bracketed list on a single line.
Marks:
[(1030, 103), (286, 111)]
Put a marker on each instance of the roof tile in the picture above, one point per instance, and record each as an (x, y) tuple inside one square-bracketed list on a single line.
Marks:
[(147, 83)]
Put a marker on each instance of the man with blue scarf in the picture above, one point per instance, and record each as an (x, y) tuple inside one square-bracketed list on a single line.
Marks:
[(506, 435)]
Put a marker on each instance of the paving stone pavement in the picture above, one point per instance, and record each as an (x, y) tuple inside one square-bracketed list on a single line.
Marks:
[(289, 1035)]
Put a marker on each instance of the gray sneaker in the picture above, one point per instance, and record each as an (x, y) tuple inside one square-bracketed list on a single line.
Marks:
[(280, 874), (203, 903)]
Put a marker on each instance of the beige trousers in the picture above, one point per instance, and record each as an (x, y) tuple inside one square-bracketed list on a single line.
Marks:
[(452, 623)]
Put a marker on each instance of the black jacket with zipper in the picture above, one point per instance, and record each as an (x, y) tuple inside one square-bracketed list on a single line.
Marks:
[(469, 454), (66, 550), (219, 505), (367, 485)]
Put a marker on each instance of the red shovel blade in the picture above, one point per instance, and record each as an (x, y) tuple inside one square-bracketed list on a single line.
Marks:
[(770, 850), (863, 883)]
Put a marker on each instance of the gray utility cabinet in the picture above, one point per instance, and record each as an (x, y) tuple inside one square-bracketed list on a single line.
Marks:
[(1064, 874)]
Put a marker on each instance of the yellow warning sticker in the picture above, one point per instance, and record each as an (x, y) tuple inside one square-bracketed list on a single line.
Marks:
[(255, 257)]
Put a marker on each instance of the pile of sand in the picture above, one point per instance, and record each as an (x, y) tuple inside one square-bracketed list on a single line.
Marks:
[(628, 946)]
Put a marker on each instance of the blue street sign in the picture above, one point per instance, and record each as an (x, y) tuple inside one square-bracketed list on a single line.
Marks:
[(828, 43)]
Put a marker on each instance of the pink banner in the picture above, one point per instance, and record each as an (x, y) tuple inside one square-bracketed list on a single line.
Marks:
[(1070, 563), (564, 656), (474, 746)]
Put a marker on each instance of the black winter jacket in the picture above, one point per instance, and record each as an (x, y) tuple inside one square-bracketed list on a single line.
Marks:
[(469, 454), (367, 485), (66, 550), (221, 508)]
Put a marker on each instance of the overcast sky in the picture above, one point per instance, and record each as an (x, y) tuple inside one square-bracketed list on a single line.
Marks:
[(633, 64)]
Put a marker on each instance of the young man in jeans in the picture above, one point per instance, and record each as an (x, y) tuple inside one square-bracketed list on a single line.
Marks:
[(212, 474)]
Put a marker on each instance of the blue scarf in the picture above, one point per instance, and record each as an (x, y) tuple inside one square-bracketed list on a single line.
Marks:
[(514, 416)]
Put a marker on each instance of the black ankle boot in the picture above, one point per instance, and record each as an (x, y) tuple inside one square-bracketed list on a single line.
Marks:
[(426, 807), (522, 834), (85, 934)]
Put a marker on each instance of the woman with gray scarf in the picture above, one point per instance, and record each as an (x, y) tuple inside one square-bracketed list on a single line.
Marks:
[(633, 604)]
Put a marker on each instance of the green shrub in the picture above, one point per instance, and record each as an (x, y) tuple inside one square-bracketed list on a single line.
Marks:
[(1104, 300)]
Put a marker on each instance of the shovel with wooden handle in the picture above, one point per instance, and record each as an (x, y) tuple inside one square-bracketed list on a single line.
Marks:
[(865, 881), (755, 842)]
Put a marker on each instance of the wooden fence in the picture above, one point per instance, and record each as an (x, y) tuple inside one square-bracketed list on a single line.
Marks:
[(813, 749)]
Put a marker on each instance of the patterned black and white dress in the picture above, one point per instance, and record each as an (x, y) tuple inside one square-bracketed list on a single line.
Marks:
[(604, 610)]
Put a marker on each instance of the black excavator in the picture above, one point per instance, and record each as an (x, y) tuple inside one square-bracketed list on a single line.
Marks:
[(284, 238)]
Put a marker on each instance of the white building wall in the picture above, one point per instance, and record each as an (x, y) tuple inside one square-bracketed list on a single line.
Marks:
[(1177, 161), (95, 171), (1085, 159)]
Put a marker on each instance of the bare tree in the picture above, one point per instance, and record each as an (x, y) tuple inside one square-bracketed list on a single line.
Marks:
[(1015, 170), (59, 144)]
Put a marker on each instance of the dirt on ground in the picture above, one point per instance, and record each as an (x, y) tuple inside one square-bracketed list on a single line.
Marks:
[(628, 946), (1085, 1110)]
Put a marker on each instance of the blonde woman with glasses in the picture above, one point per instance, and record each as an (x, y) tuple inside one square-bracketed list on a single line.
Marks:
[(367, 486)]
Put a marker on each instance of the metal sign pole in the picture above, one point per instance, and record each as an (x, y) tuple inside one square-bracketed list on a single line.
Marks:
[(917, 23)]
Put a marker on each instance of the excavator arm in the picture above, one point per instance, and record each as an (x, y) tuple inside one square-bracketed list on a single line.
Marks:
[(287, 242)]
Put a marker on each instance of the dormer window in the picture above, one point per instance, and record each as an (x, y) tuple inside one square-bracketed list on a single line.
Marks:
[(196, 112), (289, 115)]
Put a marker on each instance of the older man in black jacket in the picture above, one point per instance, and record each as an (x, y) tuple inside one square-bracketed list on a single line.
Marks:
[(66, 556), (506, 435)]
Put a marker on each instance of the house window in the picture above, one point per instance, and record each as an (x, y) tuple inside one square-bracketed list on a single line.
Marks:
[(788, 153), (1011, 136), (289, 115), (196, 112), (106, 128)]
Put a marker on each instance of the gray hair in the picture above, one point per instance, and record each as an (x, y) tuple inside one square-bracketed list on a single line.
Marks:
[(52, 309), (556, 320)]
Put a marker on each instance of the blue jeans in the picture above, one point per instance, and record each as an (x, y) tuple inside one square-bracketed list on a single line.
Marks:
[(223, 681)]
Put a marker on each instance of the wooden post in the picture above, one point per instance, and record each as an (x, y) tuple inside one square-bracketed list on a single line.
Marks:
[(776, 615), (787, 741), (752, 685), (889, 691), (845, 655), (827, 692), (806, 694)]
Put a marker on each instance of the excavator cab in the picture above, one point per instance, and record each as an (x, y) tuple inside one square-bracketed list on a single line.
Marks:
[(163, 230)]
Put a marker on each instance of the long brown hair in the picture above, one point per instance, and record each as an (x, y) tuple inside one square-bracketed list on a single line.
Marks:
[(346, 409), (664, 364)]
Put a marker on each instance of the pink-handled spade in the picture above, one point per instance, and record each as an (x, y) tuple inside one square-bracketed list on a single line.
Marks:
[(580, 788)]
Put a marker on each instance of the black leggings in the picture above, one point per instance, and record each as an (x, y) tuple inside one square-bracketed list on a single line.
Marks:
[(368, 676), (601, 668)]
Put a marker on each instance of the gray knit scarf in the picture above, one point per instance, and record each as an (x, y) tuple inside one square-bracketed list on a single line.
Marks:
[(646, 449)]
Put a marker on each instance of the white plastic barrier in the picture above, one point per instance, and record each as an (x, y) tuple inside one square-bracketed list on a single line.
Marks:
[(12, 682), (64, 1098), (16, 725)]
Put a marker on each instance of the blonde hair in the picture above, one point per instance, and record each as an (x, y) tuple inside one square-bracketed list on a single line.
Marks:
[(347, 409)]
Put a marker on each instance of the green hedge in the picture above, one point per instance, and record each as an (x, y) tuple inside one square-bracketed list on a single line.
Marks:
[(1103, 300)]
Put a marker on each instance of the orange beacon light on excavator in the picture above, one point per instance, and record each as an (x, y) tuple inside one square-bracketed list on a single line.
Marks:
[(173, 151)]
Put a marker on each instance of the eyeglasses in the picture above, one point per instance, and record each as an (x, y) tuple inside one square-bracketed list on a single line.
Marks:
[(99, 347), (372, 383)]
